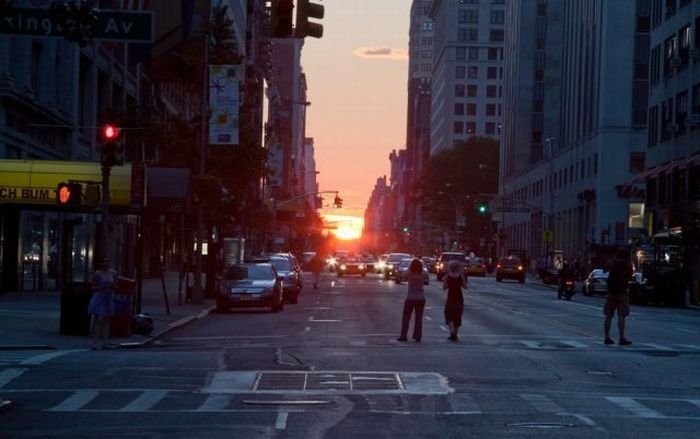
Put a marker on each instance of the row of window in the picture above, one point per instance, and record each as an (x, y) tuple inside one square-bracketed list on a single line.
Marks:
[(586, 168), (674, 54), (472, 72), (662, 10), (670, 118), (473, 53), (471, 91), (469, 127), (471, 34), (460, 109)]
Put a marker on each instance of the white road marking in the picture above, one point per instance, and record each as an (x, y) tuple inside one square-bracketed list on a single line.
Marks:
[(311, 319), (531, 344), (281, 421), (635, 407), (690, 346), (428, 318), (695, 402), (43, 358), (7, 375), (574, 343), (686, 330), (215, 402), (443, 328), (542, 403), (657, 346), (319, 308), (227, 337), (307, 329), (145, 401), (585, 419), (76, 401)]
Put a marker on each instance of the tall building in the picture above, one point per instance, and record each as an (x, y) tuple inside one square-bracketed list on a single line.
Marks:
[(467, 79), (575, 130)]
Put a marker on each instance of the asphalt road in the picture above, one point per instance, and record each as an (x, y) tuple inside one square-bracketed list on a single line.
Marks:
[(526, 365)]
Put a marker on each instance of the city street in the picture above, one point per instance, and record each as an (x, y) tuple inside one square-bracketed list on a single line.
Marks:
[(526, 365)]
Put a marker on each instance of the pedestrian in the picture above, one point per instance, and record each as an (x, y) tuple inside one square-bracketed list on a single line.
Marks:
[(617, 300), (101, 307), (415, 301), (317, 265), (455, 280)]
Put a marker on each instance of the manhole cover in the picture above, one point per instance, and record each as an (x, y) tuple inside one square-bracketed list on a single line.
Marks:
[(339, 381)]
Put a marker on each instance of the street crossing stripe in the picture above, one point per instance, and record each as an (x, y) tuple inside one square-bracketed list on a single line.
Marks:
[(214, 403), (76, 401), (635, 407), (145, 401), (542, 403), (7, 375), (43, 358)]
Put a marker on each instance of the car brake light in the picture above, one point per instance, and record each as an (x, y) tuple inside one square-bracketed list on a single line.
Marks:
[(498, 266), (520, 268)]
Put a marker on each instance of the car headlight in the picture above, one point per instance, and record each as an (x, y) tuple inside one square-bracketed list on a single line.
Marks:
[(381, 264), (361, 266), (390, 266), (343, 267)]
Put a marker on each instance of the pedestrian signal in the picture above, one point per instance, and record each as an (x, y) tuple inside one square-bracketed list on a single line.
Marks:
[(69, 194)]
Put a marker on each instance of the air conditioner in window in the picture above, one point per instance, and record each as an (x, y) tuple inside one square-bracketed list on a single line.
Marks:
[(694, 53), (676, 63), (693, 120)]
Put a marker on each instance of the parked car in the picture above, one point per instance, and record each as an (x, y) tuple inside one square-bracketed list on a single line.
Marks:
[(510, 268), (349, 266), (595, 283), (291, 282), (392, 264), (250, 284), (476, 267), (296, 266), (402, 271), (444, 261)]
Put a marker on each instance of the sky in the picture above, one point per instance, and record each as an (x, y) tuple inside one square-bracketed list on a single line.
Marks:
[(357, 77)]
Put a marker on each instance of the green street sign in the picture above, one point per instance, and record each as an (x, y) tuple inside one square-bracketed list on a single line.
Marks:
[(113, 25)]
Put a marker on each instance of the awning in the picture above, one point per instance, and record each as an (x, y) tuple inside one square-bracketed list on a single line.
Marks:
[(34, 182), (627, 188)]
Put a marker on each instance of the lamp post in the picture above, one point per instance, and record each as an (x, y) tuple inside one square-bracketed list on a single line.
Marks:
[(550, 217)]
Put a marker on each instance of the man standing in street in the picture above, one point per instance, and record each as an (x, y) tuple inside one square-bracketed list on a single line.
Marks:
[(617, 300)]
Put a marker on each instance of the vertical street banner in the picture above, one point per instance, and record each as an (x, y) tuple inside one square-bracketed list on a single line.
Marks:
[(224, 100)]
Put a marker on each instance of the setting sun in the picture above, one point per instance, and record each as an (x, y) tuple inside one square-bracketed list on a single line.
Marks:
[(344, 227)]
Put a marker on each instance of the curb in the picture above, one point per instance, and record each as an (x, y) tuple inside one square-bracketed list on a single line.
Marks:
[(27, 347), (170, 327)]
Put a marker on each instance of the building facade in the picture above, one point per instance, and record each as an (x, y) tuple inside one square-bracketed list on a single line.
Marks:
[(467, 77)]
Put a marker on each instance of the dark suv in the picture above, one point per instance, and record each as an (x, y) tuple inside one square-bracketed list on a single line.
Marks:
[(443, 262), (510, 268)]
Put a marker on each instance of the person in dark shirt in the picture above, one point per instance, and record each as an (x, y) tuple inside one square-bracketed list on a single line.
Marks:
[(454, 282), (566, 273), (620, 271)]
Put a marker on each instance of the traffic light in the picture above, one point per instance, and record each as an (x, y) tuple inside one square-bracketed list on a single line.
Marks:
[(112, 148), (281, 18), (482, 208), (405, 229), (305, 28), (337, 202), (69, 194)]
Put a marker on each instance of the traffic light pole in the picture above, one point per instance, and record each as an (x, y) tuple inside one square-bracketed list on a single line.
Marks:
[(105, 240), (276, 204)]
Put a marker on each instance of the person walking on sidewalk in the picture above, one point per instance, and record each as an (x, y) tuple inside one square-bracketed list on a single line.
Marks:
[(101, 307), (455, 280), (617, 300), (415, 300)]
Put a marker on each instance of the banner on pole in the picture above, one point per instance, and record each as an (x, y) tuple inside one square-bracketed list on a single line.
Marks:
[(224, 100)]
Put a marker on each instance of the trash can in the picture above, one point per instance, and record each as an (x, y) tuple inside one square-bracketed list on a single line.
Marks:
[(75, 298), (123, 305)]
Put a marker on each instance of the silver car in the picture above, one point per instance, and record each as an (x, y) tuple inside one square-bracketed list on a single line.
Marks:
[(402, 271), (291, 281), (252, 284), (596, 283)]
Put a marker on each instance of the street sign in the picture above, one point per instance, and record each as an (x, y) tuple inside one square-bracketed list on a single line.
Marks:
[(114, 25), (513, 209)]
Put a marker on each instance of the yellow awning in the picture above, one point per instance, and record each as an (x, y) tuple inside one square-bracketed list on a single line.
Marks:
[(34, 181)]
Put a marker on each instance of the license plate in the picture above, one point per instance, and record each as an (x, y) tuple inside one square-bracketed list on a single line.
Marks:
[(245, 296)]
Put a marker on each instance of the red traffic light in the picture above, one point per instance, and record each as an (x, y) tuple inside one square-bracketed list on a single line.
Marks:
[(109, 132)]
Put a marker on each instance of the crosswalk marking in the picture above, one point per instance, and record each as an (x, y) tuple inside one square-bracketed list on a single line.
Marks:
[(32, 357), (635, 407), (215, 402), (76, 401), (574, 343), (43, 358), (542, 403), (7, 375), (145, 401)]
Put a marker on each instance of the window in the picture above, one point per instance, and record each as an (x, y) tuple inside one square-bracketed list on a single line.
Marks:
[(496, 35), (653, 132), (426, 68), (490, 128), (459, 109), (494, 53), (471, 109), (492, 73), (471, 127), (458, 127), (637, 161), (681, 111), (426, 41), (498, 17), (696, 98), (459, 90), (460, 72), (461, 53), (541, 9), (684, 45), (473, 72), (426, 54), (471, 91), (670, 8), (490, 109), (468, 34), (669, 53), (473, 53), (470, 16), (491, 91), (427, 26), (35, 68)]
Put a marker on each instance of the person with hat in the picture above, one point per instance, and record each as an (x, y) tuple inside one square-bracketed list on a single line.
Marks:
[(455, 280)]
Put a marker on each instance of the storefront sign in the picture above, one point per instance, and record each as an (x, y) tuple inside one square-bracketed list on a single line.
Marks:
[(224, 82), (27, 195)]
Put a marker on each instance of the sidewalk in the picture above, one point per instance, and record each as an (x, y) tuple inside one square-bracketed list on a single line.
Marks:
[(31, 320)]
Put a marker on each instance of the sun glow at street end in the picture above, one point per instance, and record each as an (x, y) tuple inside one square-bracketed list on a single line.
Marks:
[(344, 227)]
